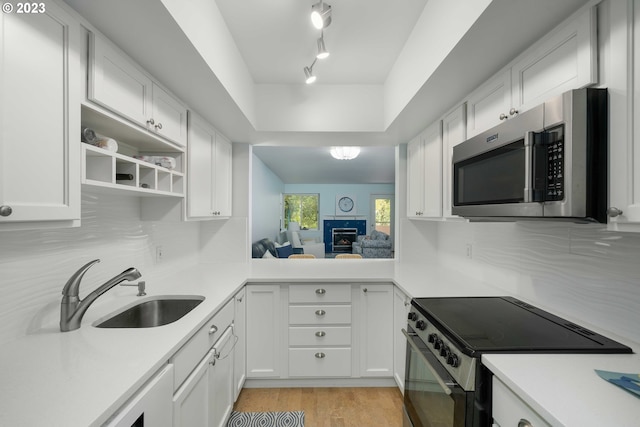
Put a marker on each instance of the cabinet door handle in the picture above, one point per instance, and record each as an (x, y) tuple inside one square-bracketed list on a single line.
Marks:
[(524, 423), (320, 355), (320, 312), (320, 334), (5, 210), (321, 291), (213, 329), (513, 111), (503, 116), (159, 126), (365, 290), (151, 121)]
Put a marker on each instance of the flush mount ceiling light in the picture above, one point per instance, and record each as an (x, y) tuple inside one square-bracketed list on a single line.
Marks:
[(345, 153), (321, 15), (322, 50), (308, 74)]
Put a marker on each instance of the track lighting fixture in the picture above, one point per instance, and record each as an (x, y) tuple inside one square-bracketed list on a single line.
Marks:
[(322, 50), (308, 74), (321, 18), (321, 15)]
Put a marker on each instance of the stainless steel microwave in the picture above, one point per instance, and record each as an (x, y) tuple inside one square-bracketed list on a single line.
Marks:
[(549, 162)]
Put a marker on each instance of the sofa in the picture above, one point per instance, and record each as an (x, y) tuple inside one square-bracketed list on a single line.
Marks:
[(376, 245), (266, 248)]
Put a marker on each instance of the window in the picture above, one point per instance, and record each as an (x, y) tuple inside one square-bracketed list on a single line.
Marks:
[(301, 208)]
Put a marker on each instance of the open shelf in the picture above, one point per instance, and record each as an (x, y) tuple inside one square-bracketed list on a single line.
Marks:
[(120, 174)]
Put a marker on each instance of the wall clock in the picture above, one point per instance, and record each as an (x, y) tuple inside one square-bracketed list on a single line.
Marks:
[(345, 205)]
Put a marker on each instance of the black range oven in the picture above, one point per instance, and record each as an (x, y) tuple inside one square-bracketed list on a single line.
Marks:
[(446, 384)]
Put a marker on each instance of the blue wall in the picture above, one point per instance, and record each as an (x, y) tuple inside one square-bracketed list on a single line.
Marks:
[(266, 189)]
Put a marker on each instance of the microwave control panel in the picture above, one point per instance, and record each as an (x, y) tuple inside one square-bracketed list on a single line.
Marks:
[(549, 165)]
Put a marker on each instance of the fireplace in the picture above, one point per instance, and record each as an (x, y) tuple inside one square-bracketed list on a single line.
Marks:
[(342, 238)]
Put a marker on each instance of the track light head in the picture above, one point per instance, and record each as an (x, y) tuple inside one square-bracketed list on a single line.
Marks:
[(309, 77), (322, 50), (321, 15)]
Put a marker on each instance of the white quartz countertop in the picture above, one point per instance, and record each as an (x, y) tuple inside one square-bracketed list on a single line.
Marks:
[(80, 378), (565, 390)]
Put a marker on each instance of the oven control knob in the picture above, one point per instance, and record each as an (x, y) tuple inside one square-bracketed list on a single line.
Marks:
[(413, 316), (453, 360), (438, 344), (445, 352), (432, 338), (421, 325)]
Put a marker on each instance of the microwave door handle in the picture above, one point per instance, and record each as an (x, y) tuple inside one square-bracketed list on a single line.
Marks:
[(528, 166)]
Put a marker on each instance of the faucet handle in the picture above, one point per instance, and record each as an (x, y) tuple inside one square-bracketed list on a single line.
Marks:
[(71, 288)]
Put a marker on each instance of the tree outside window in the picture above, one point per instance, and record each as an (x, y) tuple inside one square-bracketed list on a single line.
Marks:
[(383, 215), (303, 209)]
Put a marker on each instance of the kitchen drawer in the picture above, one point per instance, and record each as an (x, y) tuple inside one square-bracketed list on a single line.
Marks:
[(510, 410), (319, 362), (320, 335), (194, 350), (320, 293), (319, 314)]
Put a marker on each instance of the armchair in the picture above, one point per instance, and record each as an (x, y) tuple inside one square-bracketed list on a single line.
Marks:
[(376, 245), (314, 248)]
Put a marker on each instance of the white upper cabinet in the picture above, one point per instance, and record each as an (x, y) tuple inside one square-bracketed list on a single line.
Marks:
[(454, 131), (488, 105), (40, 86), (118, 84), (622, 77), (564, 59), (209, 165), (424, 174)]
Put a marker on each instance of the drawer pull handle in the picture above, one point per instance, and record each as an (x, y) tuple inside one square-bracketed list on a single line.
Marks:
[(321, 334), (365, 290), (321, 291), (320, 355), (213, 329), (524, 423), (320, 312)]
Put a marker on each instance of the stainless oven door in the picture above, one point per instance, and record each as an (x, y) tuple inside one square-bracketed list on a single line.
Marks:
[(431, 396)]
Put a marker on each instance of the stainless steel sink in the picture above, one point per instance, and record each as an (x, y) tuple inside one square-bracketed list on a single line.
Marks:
[(156, 311)]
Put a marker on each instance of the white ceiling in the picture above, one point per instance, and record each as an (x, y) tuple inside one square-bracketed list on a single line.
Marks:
[(276, 38), (314, 165), (365, 39)]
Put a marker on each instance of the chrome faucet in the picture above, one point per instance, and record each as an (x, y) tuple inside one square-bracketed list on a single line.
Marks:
[(72, 309)]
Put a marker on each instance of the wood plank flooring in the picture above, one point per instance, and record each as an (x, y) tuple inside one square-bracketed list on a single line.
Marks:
[(329, 407)]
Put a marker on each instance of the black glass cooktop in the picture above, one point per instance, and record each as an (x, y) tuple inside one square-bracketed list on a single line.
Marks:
[(504, 324)]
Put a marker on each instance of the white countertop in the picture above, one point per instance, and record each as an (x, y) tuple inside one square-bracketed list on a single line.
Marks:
[(80, 378), (565, 390)]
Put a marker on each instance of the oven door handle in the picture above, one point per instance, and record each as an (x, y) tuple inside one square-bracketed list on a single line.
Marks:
[(445, 385)]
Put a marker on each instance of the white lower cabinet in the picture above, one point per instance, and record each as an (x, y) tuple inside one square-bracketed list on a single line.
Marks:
[(509, 410), (149, 407), (264, 313), (203, 380), (319, 330), (401, 307), (240, 331), (376, 330)]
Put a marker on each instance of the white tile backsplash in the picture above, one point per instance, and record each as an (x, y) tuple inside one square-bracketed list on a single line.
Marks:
[(35, 264), (580, 270)]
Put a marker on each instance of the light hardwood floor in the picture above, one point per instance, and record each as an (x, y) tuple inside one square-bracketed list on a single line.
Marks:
[(329, 407)]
